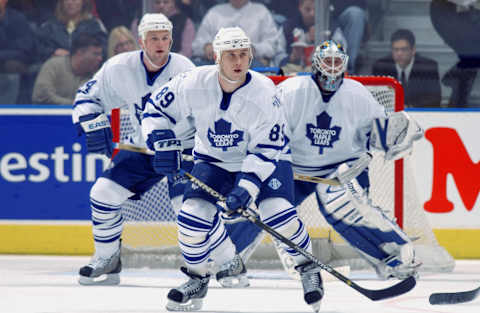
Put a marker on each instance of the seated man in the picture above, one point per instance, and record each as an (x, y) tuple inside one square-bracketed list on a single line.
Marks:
[(418, 75), (60, 76)]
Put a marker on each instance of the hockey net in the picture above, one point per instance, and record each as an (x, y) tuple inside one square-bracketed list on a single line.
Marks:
[(150, 234)]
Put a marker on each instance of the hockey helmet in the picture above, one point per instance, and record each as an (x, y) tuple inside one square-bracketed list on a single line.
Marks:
[(329, 63), (230, 38), (153, 22)]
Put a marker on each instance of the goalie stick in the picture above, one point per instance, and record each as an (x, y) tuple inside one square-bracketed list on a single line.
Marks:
[(375, 295), (454, 297), (356, 168)]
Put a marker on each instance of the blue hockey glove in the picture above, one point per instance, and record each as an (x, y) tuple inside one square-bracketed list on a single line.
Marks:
[(98, 133), (237, 200), (167, 159)]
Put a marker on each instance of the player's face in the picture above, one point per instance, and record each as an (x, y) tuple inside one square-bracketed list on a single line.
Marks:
[(402, 52), (234, 63), (157, 46), (332, 65)]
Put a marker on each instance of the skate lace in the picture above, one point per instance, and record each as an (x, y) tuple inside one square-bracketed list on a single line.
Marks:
[(99, 262), (310, 276)]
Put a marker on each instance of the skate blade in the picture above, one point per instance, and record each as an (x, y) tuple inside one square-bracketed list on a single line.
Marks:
[(316, 306), (191, 305), (102, 280), (238, 281)]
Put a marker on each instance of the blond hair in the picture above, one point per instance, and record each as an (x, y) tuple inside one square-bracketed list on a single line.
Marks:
[(115, 36), (85, 13)]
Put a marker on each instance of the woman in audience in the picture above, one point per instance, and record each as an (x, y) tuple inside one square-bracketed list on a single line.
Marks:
[(55, 35), (120, 40)]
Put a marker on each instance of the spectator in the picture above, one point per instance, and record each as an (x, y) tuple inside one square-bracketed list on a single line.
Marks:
[(120, 40), (351, 17), (115, 13), (55, 35), (183, 28), (418, 75), (253, 18), (458, 25), (281, 10), (16, 46), (299, 33), (36, 11), (60, 76), (196, 9)]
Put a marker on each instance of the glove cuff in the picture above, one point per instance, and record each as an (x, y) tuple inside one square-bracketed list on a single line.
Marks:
[(92, 123), (251, 183)]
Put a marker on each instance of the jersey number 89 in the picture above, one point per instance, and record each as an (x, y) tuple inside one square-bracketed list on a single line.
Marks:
[(165, 97)]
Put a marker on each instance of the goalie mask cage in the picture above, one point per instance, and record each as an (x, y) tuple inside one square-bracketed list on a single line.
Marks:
[(150, 233)]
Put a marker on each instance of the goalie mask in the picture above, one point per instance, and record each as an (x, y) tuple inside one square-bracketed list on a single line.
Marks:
[(154, 22), (329, 62), (230, 38)]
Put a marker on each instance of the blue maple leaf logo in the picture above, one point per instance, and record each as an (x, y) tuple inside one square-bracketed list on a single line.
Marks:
[(222, 137), (322, 135)]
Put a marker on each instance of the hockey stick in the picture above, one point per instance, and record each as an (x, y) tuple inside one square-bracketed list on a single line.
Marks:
[(375, 295), (454, 297), (357, 167)]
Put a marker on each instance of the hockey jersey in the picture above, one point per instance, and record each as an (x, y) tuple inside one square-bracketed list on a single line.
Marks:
[(239, 131), (122, 82), (322, 135)]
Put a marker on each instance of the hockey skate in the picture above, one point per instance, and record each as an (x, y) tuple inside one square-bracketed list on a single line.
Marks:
[(312, 284), (101, 271), (233, 274), (189, 296)]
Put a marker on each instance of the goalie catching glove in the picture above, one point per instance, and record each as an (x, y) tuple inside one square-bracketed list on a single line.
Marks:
[(167, 159), (98, 133), (395, 135)]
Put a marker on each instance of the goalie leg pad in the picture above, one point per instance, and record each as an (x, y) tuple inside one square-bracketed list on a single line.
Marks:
[(363, 225)]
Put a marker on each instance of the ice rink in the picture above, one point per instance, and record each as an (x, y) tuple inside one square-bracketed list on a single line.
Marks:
[(47, 284)]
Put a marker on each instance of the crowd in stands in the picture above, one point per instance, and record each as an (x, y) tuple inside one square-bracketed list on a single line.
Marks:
[(43, 47)]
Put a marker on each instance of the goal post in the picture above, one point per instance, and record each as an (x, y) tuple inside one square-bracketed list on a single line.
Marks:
[(150, 234)]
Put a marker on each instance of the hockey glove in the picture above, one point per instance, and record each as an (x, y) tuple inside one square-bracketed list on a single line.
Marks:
[(98, 133), (237, 200), (167, 159)]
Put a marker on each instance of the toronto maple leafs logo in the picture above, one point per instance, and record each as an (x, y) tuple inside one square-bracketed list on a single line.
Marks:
[(139, 108), (322, 135), (222, 137)]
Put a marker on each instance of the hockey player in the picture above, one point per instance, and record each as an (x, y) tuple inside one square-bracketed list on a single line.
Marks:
[(331, 122), (238, 140), (126, 80)]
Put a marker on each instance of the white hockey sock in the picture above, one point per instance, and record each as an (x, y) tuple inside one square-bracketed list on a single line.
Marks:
[(106, 249)]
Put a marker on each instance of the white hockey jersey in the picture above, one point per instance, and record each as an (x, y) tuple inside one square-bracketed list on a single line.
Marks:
[(322, 135), (122, 82), (240, 131)]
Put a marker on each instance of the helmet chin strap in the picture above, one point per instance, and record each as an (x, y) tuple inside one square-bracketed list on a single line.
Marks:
[(224, 77), (155, 66)]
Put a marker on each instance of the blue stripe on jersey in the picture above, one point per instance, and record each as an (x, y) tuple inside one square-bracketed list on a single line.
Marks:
[(163, 113), (85, 101), (263, 158), (204, 157), (270, 147)]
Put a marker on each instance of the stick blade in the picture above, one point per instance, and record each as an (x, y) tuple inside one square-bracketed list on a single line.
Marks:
[(453, 297), (396, 290)]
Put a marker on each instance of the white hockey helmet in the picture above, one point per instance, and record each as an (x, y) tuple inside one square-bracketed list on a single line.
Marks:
[(329, 63), (154, 22), (230, 38)]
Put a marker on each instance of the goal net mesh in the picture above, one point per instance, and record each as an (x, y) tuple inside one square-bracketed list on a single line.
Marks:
[(150, 234)]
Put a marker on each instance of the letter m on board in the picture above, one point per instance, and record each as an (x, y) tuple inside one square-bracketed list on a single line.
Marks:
[(451, 157)]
